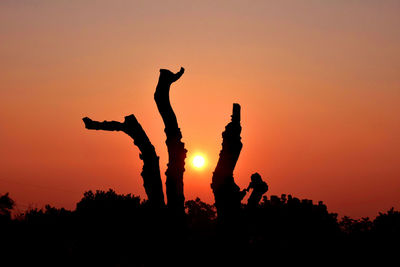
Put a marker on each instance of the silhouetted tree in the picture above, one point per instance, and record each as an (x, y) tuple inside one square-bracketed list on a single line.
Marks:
[(6, 206), (355, 227), (151, 167), (176, 149), (386, 230), (107, 202), (199, 212), (227, 193)]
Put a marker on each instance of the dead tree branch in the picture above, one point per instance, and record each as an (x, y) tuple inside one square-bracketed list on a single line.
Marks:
[(176, 149), (226, 193), (151, 168)]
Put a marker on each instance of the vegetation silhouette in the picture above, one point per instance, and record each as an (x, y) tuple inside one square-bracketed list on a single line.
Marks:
[(110, 229), (228, 195)]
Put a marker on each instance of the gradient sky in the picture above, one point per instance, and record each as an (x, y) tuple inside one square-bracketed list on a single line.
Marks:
[(318, 82)]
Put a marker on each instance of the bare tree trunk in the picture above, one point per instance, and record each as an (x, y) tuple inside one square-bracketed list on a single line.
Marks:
[(151, 168), (226, 193), (176, 149)]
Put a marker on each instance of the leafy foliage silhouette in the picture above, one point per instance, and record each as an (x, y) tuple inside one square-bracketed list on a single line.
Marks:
[(6, 205), (110, 229)]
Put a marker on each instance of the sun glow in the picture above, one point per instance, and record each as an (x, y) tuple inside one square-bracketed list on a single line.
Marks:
[(198, 161)]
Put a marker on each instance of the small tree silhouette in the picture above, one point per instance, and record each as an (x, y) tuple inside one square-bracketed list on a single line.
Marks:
[(6, 206)]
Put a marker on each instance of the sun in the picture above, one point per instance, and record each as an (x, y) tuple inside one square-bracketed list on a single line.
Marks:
[(198, 161)]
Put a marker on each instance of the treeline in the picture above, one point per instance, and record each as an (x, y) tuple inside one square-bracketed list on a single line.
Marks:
[(110, 229)]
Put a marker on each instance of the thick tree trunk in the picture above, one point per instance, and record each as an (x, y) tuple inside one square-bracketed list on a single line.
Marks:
[(226, 193), (176, 149), (151, 168)]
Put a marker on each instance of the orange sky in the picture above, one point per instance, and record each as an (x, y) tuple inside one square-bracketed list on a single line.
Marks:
[(318, 82)]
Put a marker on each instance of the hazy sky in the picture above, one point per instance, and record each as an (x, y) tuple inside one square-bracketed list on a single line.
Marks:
[(318, 82)]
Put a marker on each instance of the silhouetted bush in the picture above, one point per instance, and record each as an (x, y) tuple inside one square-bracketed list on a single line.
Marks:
[(387, 224), (6, 206), (110, 229)]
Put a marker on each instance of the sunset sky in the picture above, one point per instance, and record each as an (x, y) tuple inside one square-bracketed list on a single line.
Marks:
[(318, 82)]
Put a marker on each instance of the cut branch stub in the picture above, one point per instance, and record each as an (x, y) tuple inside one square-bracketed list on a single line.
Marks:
[(226, 193), (259, 189), (151, 167), (176, 149)]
